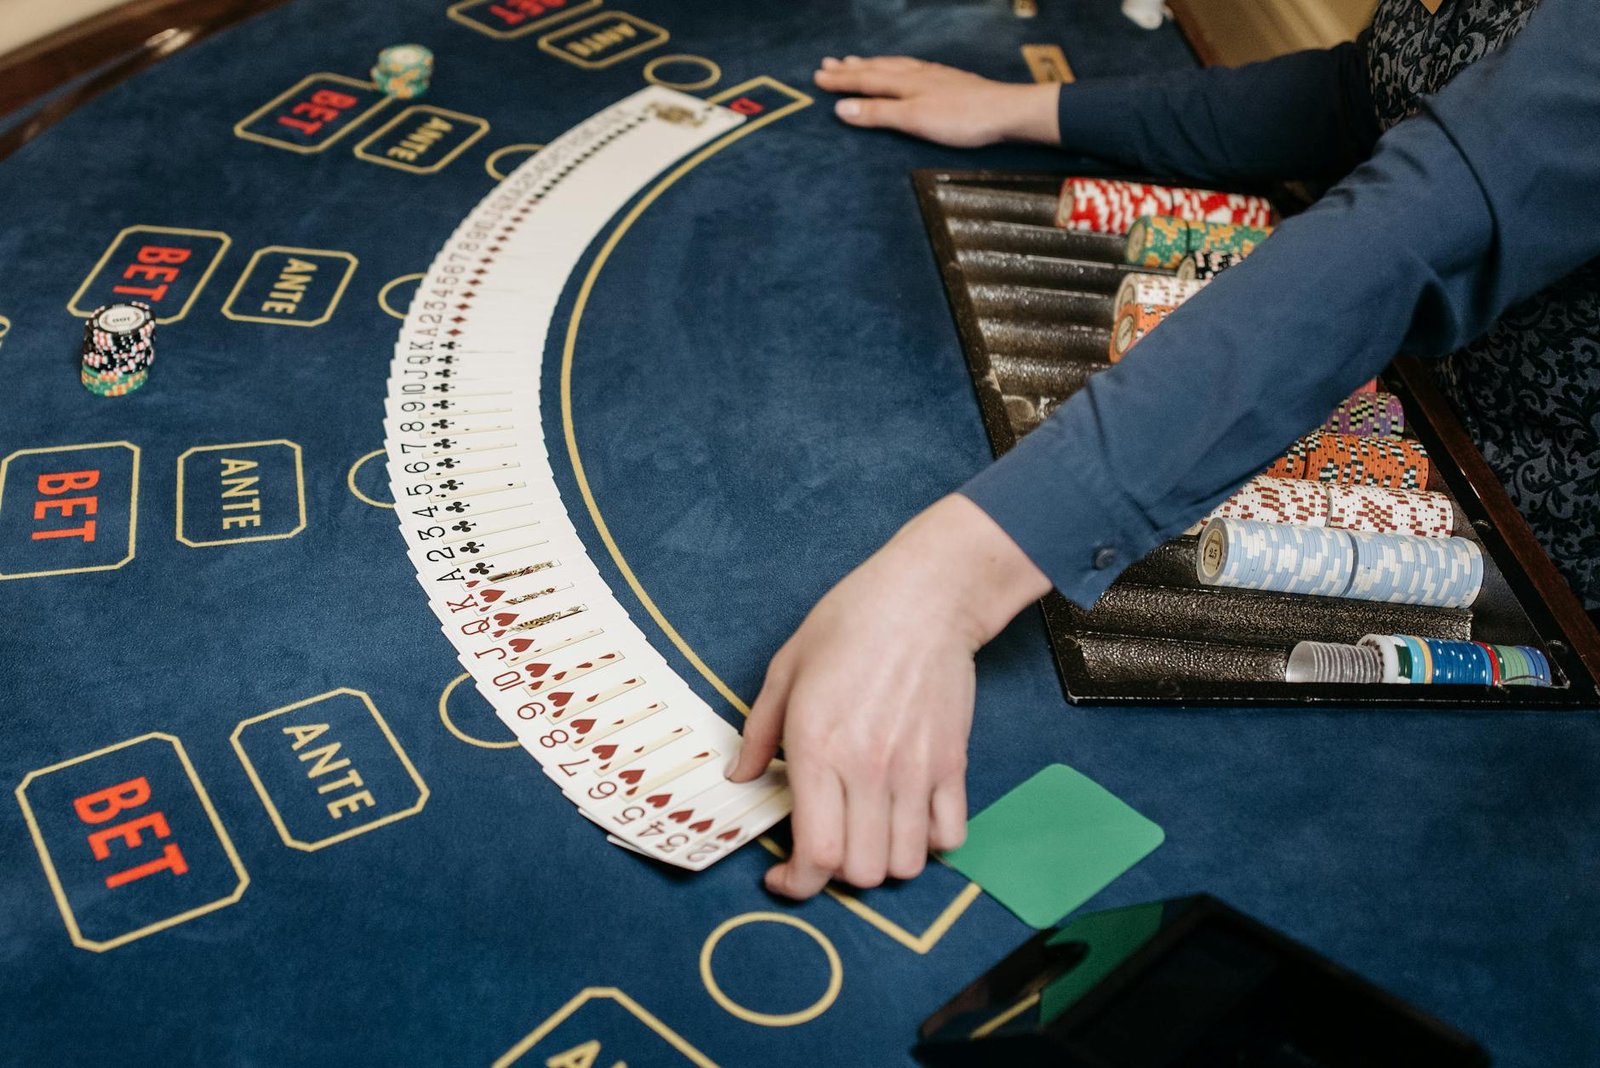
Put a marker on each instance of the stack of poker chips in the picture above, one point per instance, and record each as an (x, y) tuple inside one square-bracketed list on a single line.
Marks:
[(1373, 509), (1439, 662), (1205, 264), (1353, 460), (1142, 301), (1404, 658), (403, 71), (1328, 562), (1166, 240), (1104, 205), (118, 348), (1368, 415)]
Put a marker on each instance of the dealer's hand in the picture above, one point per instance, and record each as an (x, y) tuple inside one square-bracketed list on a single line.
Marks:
[(872, 699), (939, 103)]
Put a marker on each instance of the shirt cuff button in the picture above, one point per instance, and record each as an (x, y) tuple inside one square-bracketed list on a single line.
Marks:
[(1104, 557)]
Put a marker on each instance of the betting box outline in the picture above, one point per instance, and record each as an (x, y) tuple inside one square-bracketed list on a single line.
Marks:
[(116, 243), (661, 37), (457, 13), (133, 506), (713, 72), (449, 724), (770, 1019), (489, 164), (240, 132), (449, 157), (610, 993), (255, 258), (300, 491), (355, 491), (930, 936), (423, 793), (55, 879)]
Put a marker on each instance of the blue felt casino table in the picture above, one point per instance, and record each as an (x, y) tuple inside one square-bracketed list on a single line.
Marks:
[(765, 382)]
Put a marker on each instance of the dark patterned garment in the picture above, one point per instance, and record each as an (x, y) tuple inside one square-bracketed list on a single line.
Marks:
[(1529, 389)]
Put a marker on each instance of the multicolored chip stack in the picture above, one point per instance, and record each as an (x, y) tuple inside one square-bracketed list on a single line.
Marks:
[(1206, 264), (118, 348), (1352, 460), (1437, 661), (1165, 240), (1107, 206), (403, 71), (1368, 415), (1327, 562)]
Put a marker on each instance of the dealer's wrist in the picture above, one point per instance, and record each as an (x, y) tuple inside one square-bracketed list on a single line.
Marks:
[(965, 569)]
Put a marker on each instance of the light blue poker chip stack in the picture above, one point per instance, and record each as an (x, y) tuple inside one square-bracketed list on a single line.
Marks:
[(1402, 569), (1284, 558)]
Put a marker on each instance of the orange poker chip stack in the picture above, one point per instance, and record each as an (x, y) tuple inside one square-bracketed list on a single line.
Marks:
[(1134, 321), (1351, 460)]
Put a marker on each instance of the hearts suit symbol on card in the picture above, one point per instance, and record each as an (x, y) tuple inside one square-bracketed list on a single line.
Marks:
[(522, 645), (559, 700), (534, 671), (605, 752), (582, 726), (631, 776), (702, 827), (504, 619), (728, 835), (491, 596), (658, 800), (680, 815)]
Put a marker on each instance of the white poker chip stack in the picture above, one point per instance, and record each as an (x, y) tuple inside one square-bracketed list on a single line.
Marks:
[(1139, 288), (1250, 555), (1332, 662), (1400, 569), (1323, 561)]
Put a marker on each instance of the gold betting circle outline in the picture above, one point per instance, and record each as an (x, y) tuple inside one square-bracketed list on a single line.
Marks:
[(383, 294), (769, 1019), (711, 79), (350, 481), (930, 936), (494, 157), (449, 724)]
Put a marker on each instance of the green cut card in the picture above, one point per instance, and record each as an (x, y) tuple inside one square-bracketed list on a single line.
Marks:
[(1052, 843)]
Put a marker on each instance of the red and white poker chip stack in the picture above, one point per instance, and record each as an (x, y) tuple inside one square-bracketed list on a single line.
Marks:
[(1390, 511), (1105, 205)]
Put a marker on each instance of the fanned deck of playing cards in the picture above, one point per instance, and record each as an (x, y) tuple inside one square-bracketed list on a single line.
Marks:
[(545, 640)]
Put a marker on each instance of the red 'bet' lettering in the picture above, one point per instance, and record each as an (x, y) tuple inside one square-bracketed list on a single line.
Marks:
[(324, 107), (148, 266), (512, 12), (53, 485), (102, 805)]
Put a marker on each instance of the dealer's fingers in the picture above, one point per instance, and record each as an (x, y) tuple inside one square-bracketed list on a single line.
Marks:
[(910, 810), (947, 827), (818, 823), (763, 729)]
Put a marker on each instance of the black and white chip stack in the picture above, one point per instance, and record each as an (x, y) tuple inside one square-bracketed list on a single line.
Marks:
[(118, 348)]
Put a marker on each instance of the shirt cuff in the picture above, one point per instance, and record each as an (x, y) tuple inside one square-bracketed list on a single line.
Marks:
[(1055, 500)]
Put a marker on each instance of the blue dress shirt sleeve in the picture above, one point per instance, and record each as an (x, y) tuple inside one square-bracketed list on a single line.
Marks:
[(1304, 115), (1486, 196)]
